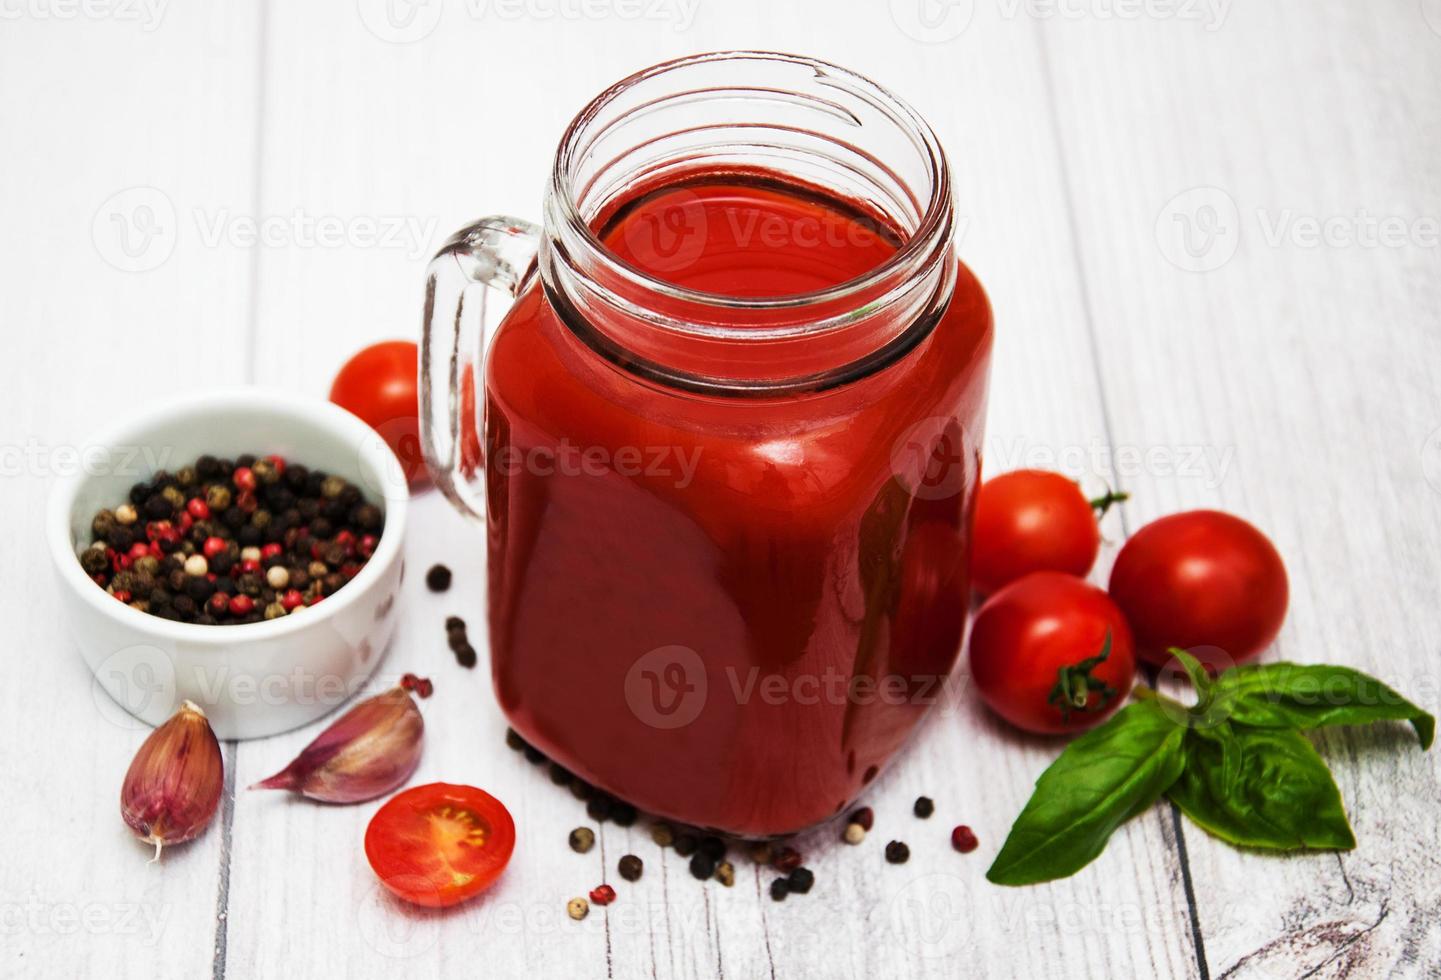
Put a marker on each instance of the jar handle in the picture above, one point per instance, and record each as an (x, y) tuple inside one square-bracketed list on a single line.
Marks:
[(495, 254)]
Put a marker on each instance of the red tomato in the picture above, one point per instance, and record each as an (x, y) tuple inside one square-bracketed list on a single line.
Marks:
[(1031, 521), (1039, 654), (440, 844), (379, 385), (1203, 581)]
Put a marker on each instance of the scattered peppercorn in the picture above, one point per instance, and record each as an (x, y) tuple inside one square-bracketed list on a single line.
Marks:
[(602, 894), (787, 859), (598, 808), (513, 740), (760, 852), (963, 839), (630, 867), (800, 880), (559, 774), (686, 844), (438, 578), (580, 789), (577, 908), (662, 834), (854, 833), (420, 686), (582, 839), (897, 852), (622, 814), (780, 888), (725, 873), (713, 848), (702, 866), (924, 807), (224, 542), (865, 816), (533, 755), (459, 642)]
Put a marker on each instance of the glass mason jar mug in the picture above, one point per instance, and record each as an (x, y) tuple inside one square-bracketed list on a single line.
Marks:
[(725, 441)]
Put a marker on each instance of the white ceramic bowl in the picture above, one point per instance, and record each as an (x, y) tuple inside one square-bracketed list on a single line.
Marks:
[(254, 679)]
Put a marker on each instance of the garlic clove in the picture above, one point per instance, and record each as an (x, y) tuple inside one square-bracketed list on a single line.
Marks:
[(173, 786), (371, 750)]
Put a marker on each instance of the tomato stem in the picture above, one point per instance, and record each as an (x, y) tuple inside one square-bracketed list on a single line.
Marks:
[(1074, 685), (1102, 504)]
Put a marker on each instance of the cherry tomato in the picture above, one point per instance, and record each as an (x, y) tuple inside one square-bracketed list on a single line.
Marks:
[(440, 844), (1051, 653), (1033, 521), (1203, 581), (379, 385)]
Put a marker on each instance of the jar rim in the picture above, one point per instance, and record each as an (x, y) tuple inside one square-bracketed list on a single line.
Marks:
[(934, 222)]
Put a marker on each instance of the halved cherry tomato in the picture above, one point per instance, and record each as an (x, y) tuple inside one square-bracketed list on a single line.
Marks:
[(379, 384), (1033, 521), (440, 844), (1203, 581), (1051, 653)]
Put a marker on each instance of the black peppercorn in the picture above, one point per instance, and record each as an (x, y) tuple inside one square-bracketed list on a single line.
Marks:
[(368, 517), (438, 578), (622, 814), (598, 808), (581, 789), (897, 852), (93, 560), (713, 848), (248, 536), (534, 755), (800, 880), (924, 807), (630, 867), (701, 866), (686, 844), (513, 739), (233, 518), (157, 508), (559, 774), (121, 538), (184, 605), (199, 588), (780, 888)]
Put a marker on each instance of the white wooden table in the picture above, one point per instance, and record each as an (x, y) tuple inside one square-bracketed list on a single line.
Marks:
[(1254, 364)]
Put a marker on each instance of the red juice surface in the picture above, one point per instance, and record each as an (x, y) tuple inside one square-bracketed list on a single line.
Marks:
[(728, 610)]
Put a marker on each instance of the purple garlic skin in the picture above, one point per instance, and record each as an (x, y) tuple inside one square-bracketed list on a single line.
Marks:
[(372, 749), (173, 786)]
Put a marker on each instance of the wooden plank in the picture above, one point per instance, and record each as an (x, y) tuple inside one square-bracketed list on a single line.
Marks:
[(358, 127), (1314, 366), (114, 127)]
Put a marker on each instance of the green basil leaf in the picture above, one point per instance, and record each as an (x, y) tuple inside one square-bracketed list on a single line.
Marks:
[(1283, 798), (1101, 780), (1286, 695), (1200, 680)]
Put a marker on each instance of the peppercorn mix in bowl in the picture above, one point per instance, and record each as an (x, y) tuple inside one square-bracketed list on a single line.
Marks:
[(296, 509)]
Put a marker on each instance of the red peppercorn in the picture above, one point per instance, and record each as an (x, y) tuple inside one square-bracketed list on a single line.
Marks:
[(292, 599), (138, 550), (350, 569), (241, 605), (964, 840), (214, 546), (246, 501), (271, 550), (186, 522), (278, 462), (218, 603), (198, 509), (787, 859), (422, 686), (243, 478), (865, 816), (249, 565), (122, 594), (368, 544), (602, 895)]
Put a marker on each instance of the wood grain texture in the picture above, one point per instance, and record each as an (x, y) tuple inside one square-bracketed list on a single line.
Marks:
[(95, 108), (1292, 385)]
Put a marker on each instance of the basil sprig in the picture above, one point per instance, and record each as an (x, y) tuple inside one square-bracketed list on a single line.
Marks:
[(1235, 763)]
